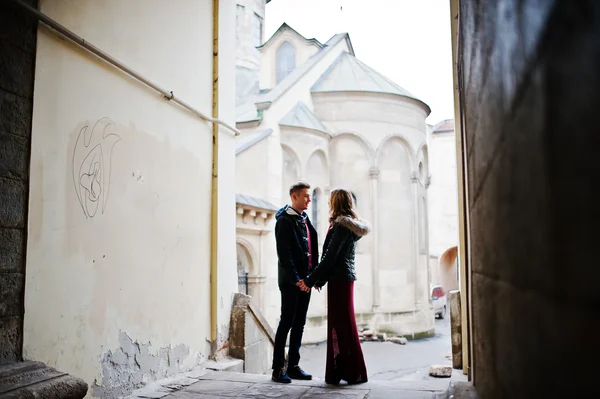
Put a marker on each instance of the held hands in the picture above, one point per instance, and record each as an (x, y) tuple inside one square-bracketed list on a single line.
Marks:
[(302, 285)]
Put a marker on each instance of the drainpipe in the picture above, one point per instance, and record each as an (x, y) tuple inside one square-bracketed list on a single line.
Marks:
[(214, 220)]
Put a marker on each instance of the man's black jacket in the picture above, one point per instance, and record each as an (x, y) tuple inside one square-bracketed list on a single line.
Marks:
[(292, 245)]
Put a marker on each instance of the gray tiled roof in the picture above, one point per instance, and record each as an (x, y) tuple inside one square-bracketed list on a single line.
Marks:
[(444, 126), (254, 202), (347, 73), (247, 140), (302, 116)]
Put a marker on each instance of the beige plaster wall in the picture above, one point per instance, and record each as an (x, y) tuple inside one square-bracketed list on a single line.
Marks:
[(132, 266)]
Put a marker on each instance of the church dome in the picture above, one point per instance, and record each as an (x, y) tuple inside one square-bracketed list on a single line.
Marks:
[(348, 74)]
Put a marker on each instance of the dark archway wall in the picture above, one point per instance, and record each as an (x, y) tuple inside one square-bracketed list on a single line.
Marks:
[(17, 63), (531, 95)]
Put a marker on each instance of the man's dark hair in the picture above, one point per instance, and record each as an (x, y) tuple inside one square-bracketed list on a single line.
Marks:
[(296, 188)]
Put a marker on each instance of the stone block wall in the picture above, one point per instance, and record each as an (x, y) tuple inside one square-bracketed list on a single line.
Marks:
[(17, 61), (251, 338), (530, 91)]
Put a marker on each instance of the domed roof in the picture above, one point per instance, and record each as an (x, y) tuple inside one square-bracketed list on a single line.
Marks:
[(347, 73)]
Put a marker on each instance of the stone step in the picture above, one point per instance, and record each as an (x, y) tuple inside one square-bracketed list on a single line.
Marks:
[(34, 379), (228, 364), (15, 368)]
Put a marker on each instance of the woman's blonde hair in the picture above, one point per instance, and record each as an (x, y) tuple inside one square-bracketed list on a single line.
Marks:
[(341, 203)]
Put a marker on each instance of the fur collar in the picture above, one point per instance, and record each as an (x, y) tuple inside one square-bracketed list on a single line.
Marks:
[(357, 226)]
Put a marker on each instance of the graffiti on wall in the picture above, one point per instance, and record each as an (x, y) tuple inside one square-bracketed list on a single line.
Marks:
[(92, 157)]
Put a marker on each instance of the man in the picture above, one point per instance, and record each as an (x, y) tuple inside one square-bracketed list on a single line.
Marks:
[(298, 253)]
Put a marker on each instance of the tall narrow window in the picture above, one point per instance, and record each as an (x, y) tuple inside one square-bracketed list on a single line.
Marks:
[(286, 60), (257, 29), (422, 225), (239, 20), (315, 209)]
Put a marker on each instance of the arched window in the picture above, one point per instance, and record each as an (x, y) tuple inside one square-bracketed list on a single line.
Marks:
[(257, 30), (286, 60), (243, 264), (315, 209)]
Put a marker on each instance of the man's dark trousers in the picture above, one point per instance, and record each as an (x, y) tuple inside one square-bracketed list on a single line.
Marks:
[(294, 306)]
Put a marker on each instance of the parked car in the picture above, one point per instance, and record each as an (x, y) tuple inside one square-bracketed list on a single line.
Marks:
[(438, 297)]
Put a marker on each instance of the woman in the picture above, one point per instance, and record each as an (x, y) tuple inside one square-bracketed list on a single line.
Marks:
[(344, 355)]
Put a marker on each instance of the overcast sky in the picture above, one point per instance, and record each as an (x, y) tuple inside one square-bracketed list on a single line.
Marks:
[(408, 41)]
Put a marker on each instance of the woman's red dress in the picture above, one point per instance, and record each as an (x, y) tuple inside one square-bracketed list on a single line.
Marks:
[(345, 359)]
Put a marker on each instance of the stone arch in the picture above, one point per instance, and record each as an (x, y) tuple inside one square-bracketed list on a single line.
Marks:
[(317, 175), (250, 253), (316, 208), (448, 266), (322, 176), (351, 157), (401, 139), (369, 150), (397, 224), (290, 151), (245, 265)]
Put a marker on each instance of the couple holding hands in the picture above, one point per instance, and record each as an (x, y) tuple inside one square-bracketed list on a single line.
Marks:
[(299, 270)]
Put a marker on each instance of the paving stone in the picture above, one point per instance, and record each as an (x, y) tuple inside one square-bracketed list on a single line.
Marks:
[(194, 395), (157, 394), (230, 376), (231, 388), (180, 383), (335, 393), (275, 390), (398, 340), (195, 373), (442, 371)]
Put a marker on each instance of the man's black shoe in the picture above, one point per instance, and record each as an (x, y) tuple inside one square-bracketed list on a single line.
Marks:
[(279, 375), (297, 373)]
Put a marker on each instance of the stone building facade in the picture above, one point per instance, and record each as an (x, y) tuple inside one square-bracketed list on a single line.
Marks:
[(443, 206), (319, 114)]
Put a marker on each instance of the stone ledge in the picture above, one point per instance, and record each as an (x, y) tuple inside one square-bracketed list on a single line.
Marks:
[(35, 380), (229, 364)]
